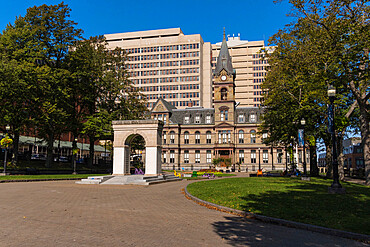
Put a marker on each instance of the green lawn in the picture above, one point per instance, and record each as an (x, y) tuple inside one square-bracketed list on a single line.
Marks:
[(292, 199), (57, 176)]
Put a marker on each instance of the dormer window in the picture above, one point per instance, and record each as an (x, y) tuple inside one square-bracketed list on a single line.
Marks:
[(241, 118), (208, 119), (252, 118), (197, 119), (186, 119), (223, 94)]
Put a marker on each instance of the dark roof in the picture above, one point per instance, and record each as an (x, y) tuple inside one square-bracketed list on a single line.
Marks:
[(224, 60)]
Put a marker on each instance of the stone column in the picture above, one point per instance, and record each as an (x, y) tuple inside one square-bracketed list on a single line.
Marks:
[(121, 161), (153, 162)]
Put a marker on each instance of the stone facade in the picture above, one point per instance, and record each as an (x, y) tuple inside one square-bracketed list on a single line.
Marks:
[(194, 136)]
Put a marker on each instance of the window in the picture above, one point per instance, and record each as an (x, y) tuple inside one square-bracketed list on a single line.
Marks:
[(253, 136), (224, 136), (197, 119), (164, 157), (186, 137), (241, 118), (172, 137), (208, 119), (223, 94), (197, 137), (224, 115), (264, 136), (197, 156), (164, 119), (164, 137), (209, 156), (265, 156), (186, 120), (253, 156), (241, 156), (209, 137), (172, 156), (279, 156), (186, 156), (160, 117), (252, 118), (241, 136)]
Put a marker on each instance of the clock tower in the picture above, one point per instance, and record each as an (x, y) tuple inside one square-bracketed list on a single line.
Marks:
[(224, 87)]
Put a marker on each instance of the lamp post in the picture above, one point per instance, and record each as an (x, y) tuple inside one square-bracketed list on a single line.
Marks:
[(7, 128), (259, 159), (303, 123), (75, 156), (336, 187)]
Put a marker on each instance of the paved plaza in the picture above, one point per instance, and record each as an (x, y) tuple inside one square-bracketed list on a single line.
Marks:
[(67, 214)]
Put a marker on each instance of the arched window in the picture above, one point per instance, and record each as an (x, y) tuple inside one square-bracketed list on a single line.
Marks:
[(197, 137), (241, 136), (186, 137), (209, 137), (223, 94), (172, 137), (253, 136)]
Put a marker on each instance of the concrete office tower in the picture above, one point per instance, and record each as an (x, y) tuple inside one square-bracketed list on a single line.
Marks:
[(250, 68), (167, 63)]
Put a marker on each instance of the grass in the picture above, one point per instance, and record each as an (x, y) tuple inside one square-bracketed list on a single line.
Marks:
[(292, 199), (57, 176)]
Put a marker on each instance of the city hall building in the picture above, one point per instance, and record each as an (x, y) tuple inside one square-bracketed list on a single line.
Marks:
[(194, 136)]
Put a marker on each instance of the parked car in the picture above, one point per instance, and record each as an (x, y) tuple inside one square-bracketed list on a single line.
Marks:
[(38, 157), (61, 159)]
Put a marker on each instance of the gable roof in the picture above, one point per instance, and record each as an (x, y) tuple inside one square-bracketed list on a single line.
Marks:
[(167, 107)]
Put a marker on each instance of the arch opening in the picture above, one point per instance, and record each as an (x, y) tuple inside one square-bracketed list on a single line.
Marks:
[(136, 145)]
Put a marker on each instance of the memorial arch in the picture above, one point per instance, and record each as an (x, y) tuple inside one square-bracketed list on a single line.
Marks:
[(124, 132)]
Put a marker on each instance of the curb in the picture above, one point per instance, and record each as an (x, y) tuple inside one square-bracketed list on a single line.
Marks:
[(38, 180), (329, 231)]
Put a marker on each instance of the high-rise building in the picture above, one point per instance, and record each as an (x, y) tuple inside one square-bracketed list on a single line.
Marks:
[(168, 64), (250, 68)]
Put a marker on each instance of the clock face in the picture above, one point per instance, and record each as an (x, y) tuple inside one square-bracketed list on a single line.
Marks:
[(223, 78)]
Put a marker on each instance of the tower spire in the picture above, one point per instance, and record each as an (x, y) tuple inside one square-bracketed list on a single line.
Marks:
[(224, 59)]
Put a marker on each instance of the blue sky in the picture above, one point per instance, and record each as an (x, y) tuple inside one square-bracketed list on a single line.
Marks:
[(253, 19)]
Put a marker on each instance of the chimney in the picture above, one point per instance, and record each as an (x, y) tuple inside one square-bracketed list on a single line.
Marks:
[(190, 103)]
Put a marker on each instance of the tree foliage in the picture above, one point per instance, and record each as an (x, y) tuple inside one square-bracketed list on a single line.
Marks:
[(53, 79), (327, 44)]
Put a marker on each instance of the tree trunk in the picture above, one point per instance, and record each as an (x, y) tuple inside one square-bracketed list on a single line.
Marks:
[(365, 140), (340, 156), (16, 146), (91, 151), (50, 149), (314, 170)]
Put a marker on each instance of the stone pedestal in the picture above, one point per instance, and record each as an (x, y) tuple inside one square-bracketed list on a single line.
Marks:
[(305, 178)]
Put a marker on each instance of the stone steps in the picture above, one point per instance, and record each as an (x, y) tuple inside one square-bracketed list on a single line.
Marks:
[(131, 179), (94, 180)]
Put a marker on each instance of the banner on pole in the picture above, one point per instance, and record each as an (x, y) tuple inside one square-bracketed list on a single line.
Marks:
[(300, 137)]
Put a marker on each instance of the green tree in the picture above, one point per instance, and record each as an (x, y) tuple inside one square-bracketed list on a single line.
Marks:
[(319, 49)]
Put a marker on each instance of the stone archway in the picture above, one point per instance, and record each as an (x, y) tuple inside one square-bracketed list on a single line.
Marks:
[(124, 131)]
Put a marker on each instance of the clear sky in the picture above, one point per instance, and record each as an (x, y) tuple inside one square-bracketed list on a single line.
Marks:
[(253, 19)]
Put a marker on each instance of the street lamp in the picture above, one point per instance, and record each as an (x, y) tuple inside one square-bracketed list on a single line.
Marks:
[(7, 128), (259, 159), (336, 187), (303, 123), (75, 156)]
